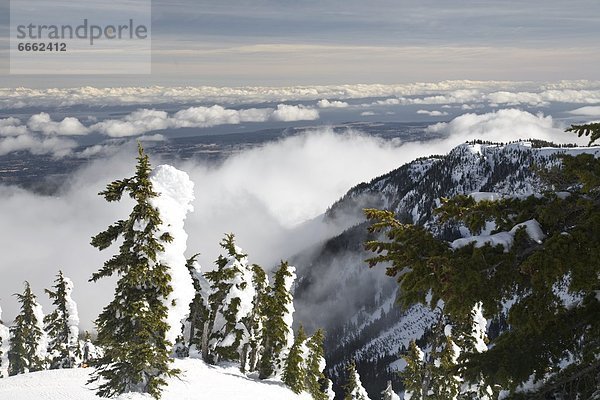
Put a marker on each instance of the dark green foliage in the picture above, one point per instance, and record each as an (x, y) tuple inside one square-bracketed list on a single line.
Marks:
[(353, 390), (276, 330), (132, 328), (543, 329), (63, 347), (294, 372), (25, 339), (255, 321), (591, 130), (315, 364), (414, 373)]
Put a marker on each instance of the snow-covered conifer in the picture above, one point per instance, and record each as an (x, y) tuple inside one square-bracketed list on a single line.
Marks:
[(315, 365), (414, 373), (294, 371), (198, 314), (278, 336), (354, 389), (62, 325), (388, 393), (254, 322), (4, 347), (28, 341), (231, 298), (138, 328), (89, 352)]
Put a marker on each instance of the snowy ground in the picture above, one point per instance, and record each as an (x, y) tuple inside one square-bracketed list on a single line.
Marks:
[(198, 380)]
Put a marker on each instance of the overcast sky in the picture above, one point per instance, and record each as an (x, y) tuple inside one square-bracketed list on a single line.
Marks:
[(277, 42)]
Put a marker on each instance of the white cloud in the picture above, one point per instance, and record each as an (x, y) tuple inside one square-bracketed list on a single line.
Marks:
[(12, 127), (285, 112), (61, 97), (69, 126), (144, 120), (588, 111), (324, 103), (367, 113), (53, 145), (502, 126), (434, 113)]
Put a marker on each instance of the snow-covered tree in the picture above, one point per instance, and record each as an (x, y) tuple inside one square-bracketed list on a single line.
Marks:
[(193, 327), (354, 389), (4, 347), (232, 293), (414, 373), (388, 393), (89, 351), (62, 325), (294, 371), (28, 341), (138, 328), (254, 322), (278, 336), (315, 365)]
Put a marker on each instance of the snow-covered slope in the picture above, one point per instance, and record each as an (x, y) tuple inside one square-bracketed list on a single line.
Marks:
[(353, 303), (198, 381)]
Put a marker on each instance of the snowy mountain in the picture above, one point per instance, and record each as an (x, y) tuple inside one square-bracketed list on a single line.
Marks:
[(198, 380), (336, 289)]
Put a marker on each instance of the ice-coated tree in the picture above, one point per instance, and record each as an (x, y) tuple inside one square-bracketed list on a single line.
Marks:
[(278, 309), (315, 365), (62, 325), (4, 347), (230, 300), (254, 322), (388, 393), (27, 352), (354, 389), (294, 370), (132, 328)]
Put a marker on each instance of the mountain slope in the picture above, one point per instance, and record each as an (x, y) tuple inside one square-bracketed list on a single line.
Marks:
[(355, 304), (198, 380)]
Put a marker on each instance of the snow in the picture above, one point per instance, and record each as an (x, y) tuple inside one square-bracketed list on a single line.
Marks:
[(42, 347), (73, 320), (198, 380), (479, 328), (489, 196), (176, 193), (532, 227), (4, 346)]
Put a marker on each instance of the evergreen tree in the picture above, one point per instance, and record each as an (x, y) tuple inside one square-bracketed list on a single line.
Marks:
[(315, 365), (388, 393), (294, 371), (27, 352), (546, 279), (62, 325), (231, 298), (254, 322), (89, 352), (198, 316), (414, 373), (132, 328), (354, 389), (278, 309), (4, 348)]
